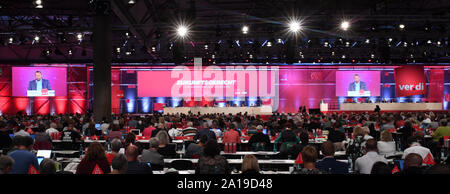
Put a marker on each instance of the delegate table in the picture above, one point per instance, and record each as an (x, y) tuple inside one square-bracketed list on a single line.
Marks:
[(260, 110), (391, 106)]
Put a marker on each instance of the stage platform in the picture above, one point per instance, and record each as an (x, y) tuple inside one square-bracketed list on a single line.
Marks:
[(260, 110), (391, 106)]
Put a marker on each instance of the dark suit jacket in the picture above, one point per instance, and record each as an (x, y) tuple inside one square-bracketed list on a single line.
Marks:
[(362, 86), (32, 85), (332, 166)]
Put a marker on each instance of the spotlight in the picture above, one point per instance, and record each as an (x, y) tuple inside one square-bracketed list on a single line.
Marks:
[(153, 49), (10, 40), (294, 26), (269, 44), (245, 29), (429, 41), (401, 26), (367, 41), (206, 47), (182, 31), (38, 4), (118, 49), (79, 36), (131, 2), (345, 25), (70, 51)]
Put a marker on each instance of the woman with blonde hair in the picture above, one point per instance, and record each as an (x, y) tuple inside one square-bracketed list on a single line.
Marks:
[(165, 148), (250, 165), (386, 145)]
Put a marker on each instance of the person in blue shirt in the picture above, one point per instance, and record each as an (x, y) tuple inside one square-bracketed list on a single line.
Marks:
[(22, 155), (329, 164)]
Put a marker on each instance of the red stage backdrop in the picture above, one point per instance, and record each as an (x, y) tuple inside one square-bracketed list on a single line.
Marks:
[(410, 80)]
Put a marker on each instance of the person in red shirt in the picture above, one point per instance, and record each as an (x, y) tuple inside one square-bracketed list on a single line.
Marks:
[(95, 156), (116, 144), (232, 135), (148, 131)]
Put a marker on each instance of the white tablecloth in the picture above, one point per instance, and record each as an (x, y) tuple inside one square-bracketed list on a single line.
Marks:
[(391, 106), (260, 110)]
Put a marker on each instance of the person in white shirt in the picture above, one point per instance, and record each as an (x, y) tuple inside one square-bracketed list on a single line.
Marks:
[(21, 132), (415, 147), (363, 165), (366, 133), (386, 146), (104, 127), (52, 129)]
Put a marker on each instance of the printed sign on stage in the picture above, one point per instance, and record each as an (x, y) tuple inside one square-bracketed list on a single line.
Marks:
[(357, 83), (410, 80)]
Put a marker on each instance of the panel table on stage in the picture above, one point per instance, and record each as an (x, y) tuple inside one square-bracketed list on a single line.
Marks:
[(391, 106), (260, 110)]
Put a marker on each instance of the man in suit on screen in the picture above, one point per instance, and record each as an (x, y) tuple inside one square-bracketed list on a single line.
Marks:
[(357, 85), (39, 83)]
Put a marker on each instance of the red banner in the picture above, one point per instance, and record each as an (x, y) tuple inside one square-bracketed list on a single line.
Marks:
[(410, 80)]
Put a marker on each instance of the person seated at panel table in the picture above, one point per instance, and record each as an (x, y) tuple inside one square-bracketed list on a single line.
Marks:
[(442, 130), (194, 150), (231, 135), (151, 155), (357, 85), (39, 83), (364, 164), (95, 156), (205, 131), (250, 165), (329, 163), (259, 141), (211, 162), (22, 155)]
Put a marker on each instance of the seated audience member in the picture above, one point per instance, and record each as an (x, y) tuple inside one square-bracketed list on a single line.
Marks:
[(165, 148), (6, 164), (363, 165), (329, 164), (22, 155), (115, 133), (336, 136), (441, 131), (71, 134), (151, 155), (355, 147), (231, 135), (190, 130), (21, 131), (259, 141), (288, 139), (388, 125), (148, 131), (211, 162), (94, 157), (135, 166), (412, 164), (195, 150), (5, 139), (47, 166), (119, 164), (42, 137), (205, 131), (309, 157), (407, 130), (52, 129), (160, 127), (250, 165), (116, 144), (386, 146), (415, 147), (366, 133), (381, 168)]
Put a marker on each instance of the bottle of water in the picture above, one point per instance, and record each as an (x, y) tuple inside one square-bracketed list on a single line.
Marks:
[(350, 164), (109, 147), (274, 148)]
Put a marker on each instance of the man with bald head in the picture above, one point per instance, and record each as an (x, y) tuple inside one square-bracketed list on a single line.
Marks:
[(134, 165), (412, 164)]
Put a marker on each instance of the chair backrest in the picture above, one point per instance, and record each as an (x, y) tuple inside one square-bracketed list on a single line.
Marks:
[(182, 165)]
